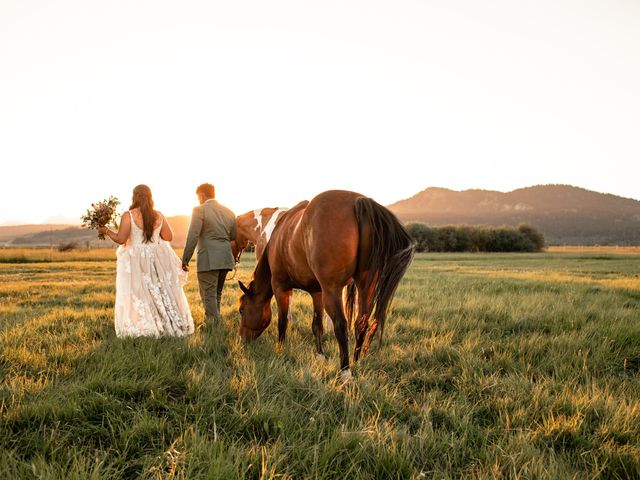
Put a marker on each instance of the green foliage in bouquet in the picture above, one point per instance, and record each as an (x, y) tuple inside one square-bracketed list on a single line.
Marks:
[(101, 214)]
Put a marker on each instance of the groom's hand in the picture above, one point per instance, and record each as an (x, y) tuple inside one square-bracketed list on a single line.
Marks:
[(185, 267)]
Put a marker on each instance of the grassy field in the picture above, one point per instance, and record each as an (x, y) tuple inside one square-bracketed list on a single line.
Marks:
[(493, 366), (594, 249)]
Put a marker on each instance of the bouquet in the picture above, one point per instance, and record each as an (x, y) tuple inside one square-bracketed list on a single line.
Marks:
[(101, 214)]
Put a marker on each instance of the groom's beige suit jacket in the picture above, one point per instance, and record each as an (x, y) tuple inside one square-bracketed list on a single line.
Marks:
[(212, 228)]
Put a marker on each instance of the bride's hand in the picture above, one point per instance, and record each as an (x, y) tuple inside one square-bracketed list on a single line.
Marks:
[(103, 230)]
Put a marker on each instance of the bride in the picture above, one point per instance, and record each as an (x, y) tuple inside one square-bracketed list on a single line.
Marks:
[(149, 279)]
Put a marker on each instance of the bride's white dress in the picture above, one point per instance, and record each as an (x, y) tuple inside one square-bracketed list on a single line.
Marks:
[(149, 296)]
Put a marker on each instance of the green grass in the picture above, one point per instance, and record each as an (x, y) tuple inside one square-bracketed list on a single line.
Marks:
[(493, 366), (50, 255)]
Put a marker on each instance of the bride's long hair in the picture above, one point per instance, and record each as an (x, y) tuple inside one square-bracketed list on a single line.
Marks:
[(143, 200)]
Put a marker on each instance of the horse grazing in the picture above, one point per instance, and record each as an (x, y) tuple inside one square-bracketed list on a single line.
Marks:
[(256, 227), (340, 238)]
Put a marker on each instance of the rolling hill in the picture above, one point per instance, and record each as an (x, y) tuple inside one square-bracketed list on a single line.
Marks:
[(46, 235), (8, 233), (565, 214)]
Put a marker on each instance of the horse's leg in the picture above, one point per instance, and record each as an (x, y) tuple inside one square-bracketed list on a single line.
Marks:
[(316, 326), (362, 320), (378, 320), (332, 300), (282, 298)]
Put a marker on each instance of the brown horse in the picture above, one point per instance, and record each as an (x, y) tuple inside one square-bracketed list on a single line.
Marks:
[(339, 238), (256, 227)]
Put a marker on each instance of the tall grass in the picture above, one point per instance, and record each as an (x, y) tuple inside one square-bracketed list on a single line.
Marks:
[(53, 255), (493, 366), (49, 255)]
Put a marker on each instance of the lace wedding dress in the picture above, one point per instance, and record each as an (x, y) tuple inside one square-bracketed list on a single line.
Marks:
[(149, 296)]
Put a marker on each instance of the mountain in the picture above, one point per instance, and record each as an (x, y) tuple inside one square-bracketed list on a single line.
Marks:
[(62, 220), (63, 235), (11, 232), (563, 213), (53, 234)]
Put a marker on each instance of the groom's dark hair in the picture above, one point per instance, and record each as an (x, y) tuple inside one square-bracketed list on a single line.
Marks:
[(207, 189)]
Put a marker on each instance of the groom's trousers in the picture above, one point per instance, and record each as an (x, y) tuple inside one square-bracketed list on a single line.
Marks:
[(211, 284)]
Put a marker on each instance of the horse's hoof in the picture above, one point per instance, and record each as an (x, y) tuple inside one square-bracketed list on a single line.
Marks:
[(346, 376), (321, 356)]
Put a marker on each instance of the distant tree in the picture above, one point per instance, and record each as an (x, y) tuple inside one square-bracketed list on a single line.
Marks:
[(465, 238), (535, 237), (67, 246), (419, 232)]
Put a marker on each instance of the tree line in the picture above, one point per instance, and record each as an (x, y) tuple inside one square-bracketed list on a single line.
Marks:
[(466, 238)]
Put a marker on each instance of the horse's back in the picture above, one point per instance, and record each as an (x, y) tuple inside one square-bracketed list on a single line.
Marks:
[(319, 242), (332, 236), (332, 216)]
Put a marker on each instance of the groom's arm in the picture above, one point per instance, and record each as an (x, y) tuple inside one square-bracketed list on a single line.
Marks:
[(197, 220)]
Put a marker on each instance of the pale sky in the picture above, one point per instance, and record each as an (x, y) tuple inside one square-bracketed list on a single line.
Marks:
[(276, 101)]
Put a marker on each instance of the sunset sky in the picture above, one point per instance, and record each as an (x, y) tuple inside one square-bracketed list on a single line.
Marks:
[(274, 102)]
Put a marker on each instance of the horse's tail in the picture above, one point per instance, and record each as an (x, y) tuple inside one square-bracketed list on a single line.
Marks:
[(388, 254)]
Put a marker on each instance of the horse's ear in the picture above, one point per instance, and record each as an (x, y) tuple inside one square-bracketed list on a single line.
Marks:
[(244, 289)]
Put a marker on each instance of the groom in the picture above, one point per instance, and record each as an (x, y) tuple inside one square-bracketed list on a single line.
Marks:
[(212, 228)]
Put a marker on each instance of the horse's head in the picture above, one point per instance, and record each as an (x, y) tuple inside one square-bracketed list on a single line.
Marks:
[(255, 314), (244, 234), (237, 247)]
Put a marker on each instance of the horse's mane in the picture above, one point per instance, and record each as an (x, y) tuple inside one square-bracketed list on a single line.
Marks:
[(262, 273)]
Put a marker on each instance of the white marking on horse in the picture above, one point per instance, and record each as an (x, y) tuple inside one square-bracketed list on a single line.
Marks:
[(271, 224), (257, 214)]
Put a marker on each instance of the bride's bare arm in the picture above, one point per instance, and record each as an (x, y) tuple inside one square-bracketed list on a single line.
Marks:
[(166, 233), (122, 234)]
